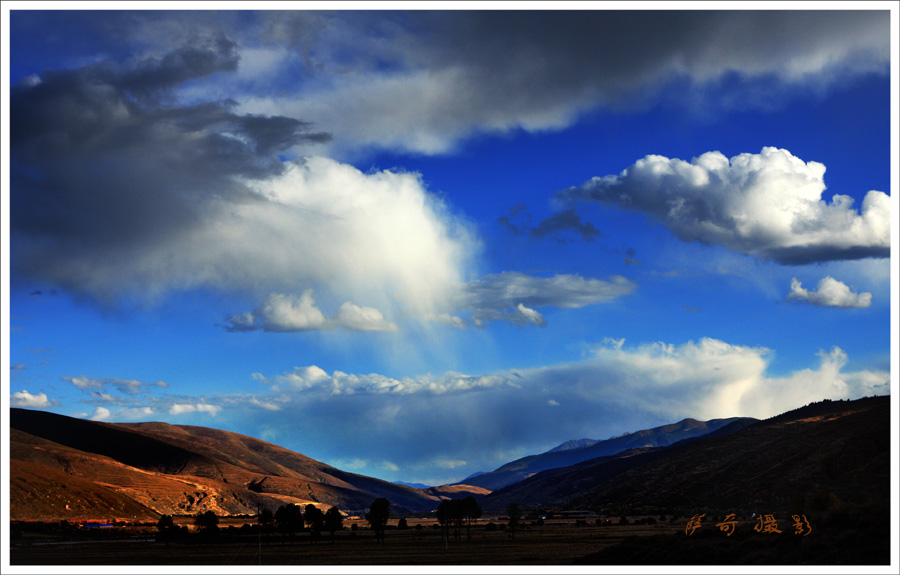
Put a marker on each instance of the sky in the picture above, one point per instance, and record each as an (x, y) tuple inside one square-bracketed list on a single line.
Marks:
[(421, 244)]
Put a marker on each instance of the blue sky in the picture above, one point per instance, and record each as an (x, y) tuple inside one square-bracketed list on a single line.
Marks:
[(416, 245)]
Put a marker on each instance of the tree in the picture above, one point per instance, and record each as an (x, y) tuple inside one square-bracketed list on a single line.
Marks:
[(207, 522), (471, 511), (167, 528), (289, 519), (378, 516), (515, 514), (314, 518), (334, 521), (266, 521), (445, 517)]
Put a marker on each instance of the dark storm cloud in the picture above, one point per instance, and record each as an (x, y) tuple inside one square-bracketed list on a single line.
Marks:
[(566, 220), (612, 52), (425, 80), (103, 159), (152, 75), (555, 227)]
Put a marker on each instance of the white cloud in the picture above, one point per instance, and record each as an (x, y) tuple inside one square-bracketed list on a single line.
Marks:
[(768, 205), (27, 400), (829, 293), (352, 316), (315, 379), (100, 414), (84, 383), (288, 313), (182, 408)]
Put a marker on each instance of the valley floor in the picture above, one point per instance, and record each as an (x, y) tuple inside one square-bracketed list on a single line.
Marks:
[(550, 544)]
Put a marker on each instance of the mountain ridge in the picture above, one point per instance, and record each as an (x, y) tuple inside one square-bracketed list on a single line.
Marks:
[(662, 435), (825, 449)]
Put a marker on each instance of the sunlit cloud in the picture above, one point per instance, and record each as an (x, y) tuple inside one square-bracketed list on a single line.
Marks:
[(25, 399), (829, 293), (768, 205)]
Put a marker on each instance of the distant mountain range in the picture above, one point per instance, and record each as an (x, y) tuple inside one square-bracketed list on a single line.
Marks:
[(576, 451), (67, 468), (836, 450)]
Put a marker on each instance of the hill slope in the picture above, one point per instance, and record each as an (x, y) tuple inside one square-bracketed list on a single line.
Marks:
[(67, 468)]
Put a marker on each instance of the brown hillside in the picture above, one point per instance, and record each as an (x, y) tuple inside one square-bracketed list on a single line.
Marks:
[(168, 469)]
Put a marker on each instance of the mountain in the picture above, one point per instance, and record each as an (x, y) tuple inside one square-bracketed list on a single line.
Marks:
[(67, 468), (416, 485), (827, 451), (525, 467), (574, 444)]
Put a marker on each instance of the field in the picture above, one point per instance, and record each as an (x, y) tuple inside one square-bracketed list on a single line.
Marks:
[(550, 544)]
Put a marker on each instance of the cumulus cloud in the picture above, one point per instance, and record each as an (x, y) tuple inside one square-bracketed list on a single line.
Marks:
[(25, 399), (182, 408), (829, 293), (768, 205), (100, 414), (121, 190), (288, 313), (424, 81)]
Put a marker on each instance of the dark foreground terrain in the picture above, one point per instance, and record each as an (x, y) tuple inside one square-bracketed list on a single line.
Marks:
[(840, 538)]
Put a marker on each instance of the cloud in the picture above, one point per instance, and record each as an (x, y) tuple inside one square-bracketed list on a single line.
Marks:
[(614, 389), (553, 227), (424, 81), (182, 408), (315, 380), (100, 414), (829, 293), (126, 386), (18, 367), (512, 296), (767, 205), (288, 313), (358, 318), (137, 413), (508, 297), (25, 399), (122, 190)]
